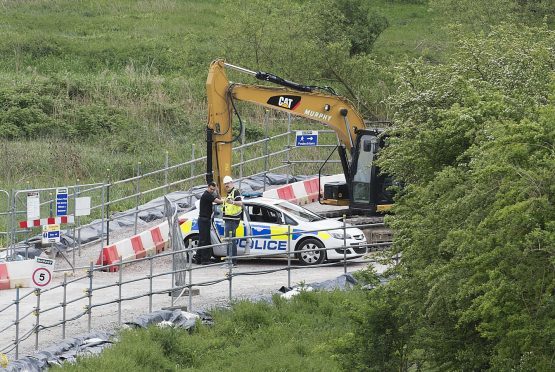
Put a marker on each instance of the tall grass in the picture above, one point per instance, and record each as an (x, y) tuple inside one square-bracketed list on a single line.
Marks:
[(298, 335), (414, 31), (81, 36)]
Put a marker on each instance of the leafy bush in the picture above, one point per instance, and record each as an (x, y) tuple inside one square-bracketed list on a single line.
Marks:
[(96, 120), (353, 20), (474, 143)]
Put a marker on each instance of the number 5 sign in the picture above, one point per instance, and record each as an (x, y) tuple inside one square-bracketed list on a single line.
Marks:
[(42, 275)]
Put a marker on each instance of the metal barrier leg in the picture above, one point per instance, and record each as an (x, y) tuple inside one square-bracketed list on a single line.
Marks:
[(89, 294), (344, 244), (192, 162), (64, 304), (17, 323), (190, 287), (73, 251), (119, 288), (102, 228), (173, 278), (137, 199), (37, 324), (166, 165), (288, 256), (230, 278), (150, 286)]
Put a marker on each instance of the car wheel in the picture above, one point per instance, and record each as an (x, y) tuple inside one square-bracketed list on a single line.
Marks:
[(191, 242), (307, 256)]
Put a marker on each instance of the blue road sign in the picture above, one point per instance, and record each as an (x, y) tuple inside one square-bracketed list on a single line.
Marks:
[(53, 234), (306, 138), (61, 201)]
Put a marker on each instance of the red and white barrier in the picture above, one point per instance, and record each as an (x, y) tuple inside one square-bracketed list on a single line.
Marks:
[(4, 276), (46, 221), (15, 274), (302, 192), (149, 242)]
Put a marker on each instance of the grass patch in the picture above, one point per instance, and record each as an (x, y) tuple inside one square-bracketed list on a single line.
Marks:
[(65, 35), (414, 31), (295, 335), (88, 86)]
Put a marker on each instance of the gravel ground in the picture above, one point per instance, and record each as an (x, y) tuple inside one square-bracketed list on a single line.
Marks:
[(109, 317)]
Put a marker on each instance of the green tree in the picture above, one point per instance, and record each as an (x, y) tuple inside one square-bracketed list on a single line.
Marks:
[(475, 224), (382, 330), (313, 42), (353, 21)]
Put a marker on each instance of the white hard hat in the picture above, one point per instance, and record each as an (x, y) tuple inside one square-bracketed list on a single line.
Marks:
[(228, 179)]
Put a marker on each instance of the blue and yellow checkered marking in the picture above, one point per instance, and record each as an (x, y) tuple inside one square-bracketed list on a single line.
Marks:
[(188, 226), (240, 232), (278, 232)]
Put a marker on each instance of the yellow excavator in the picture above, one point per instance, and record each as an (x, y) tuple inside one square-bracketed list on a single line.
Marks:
[(365, 190)]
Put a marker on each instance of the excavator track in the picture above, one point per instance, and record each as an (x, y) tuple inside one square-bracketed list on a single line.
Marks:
[(378, 235)]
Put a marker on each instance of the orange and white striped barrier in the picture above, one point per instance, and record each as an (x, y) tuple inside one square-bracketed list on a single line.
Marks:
[(302, 192), (149, 242)]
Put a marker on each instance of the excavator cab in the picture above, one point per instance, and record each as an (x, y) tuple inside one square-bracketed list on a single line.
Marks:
[(366, 190), (369, 186)]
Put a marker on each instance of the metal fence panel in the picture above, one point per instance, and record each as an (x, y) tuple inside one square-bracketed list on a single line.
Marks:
[(255, 158), (5, 217)]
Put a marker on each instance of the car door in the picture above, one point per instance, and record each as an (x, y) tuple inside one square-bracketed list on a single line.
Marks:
[(244, 229), (265, 221), (243, 245)]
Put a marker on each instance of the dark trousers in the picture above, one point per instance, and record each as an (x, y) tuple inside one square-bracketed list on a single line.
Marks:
[(230, 231), (203, 255)]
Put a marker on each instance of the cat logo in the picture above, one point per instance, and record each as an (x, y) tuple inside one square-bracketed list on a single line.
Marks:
[(285, 102)]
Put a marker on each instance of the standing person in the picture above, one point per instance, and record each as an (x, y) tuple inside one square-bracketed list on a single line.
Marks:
[(233, 213), (204, 221)]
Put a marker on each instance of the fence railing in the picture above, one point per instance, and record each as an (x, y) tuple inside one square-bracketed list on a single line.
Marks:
[(91, 295), (99, 293), (4, 214), (270, 154)]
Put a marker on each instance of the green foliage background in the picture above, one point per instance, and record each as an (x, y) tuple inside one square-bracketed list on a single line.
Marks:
[(113, 78), (469, 85), (475, 145)]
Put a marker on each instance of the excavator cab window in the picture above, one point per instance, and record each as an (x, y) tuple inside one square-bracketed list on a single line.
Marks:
[(364, 168), (385, 194), (367, 146)]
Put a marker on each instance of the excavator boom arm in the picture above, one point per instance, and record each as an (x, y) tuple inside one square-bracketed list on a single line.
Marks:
[(299, 100)]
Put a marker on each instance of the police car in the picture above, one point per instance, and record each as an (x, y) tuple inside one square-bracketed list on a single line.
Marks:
[(264, 219)]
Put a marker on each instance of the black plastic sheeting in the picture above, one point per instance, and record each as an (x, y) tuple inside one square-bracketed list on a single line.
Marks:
[(65, 351), (93, 343), (342, 282), (185, 201), (176, 318)]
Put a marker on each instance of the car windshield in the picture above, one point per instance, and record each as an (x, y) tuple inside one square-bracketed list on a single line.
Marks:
[(299, 212)]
